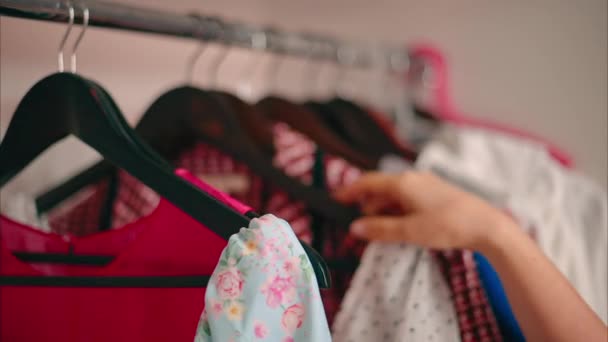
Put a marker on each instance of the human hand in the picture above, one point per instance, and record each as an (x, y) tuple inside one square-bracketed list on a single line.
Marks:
[(422, 209)]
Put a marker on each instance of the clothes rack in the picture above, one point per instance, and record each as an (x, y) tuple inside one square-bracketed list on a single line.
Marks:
[(212, 29)]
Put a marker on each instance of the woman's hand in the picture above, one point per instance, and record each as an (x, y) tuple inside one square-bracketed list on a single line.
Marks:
[(421, 209)]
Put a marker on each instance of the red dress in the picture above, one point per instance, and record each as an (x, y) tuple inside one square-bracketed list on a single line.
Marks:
[(167, 242)]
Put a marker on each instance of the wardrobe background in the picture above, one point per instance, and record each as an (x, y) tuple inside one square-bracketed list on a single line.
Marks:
[(539, 65)]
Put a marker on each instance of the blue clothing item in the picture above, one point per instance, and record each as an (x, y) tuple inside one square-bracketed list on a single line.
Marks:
[(509, 328), (263, 288)]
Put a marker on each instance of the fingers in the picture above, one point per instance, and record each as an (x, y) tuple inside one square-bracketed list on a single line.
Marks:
[(369, 184), (391, 228), (381, 206), (374, 205)]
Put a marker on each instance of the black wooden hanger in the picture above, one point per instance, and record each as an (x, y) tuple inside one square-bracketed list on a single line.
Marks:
[(65, 104), (305, 121), (369, 134), (199, 115), (187, 114)]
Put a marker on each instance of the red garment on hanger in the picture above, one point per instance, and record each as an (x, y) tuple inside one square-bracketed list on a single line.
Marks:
[(443, 108), (167, 242)]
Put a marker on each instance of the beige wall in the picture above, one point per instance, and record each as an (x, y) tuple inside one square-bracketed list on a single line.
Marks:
[(535, 64)]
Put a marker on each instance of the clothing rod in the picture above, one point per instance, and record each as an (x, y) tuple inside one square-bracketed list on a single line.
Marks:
[(211, 29)]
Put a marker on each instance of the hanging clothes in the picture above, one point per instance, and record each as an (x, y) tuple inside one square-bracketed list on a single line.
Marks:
[(296, 155), (166, 242), (562, 210), (263, 288), (475, 318)]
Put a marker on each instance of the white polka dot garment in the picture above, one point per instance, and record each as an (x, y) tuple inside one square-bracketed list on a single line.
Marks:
[(398, 294)]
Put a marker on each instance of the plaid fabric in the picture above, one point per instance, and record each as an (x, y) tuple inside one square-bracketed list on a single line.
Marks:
[(475, 316), (295, 155), (79, 215), (204, 160)]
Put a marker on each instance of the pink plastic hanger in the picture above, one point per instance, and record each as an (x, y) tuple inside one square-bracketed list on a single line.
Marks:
[(443, 107)]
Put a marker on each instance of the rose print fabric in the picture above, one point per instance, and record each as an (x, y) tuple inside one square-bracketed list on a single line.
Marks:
[(263, 289)]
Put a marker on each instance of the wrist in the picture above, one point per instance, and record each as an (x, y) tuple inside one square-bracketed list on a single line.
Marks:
[(500, 233)]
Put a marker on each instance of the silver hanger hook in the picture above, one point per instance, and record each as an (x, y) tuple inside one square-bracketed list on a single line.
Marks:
[(340, 72), (85, 24), (65, 36), (275, 60), (344, 57), (220, 58), (197, 53), (192, 62), (217, 64), (311, 78), (272, 73), (383, 70), (259, 42), (311, 70)]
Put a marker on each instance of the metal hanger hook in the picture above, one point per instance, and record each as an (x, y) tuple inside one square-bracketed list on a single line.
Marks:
[(311, 71), (343, 57), (85, 24), (275, 61), (221, 56), (197, 53), (272, 72), (259, 42), (217, 64), (65, 36), (383, 74)]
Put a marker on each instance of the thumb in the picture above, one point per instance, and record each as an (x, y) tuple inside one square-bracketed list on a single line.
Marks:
[(389, 228)]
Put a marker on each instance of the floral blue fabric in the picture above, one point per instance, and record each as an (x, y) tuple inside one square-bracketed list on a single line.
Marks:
[(263, 289)]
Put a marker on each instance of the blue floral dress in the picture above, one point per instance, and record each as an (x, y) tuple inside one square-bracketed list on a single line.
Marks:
[(263, 289)]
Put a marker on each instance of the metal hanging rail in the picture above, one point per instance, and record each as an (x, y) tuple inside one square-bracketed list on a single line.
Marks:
[(212, 29)]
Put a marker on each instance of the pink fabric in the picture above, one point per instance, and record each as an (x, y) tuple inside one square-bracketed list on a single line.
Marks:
[(443, 106), (165, 242), (222, 197)]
